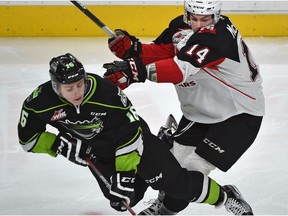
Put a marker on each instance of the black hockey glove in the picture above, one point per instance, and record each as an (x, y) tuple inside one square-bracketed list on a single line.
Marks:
[(122, 189), (124, 46), (72, 148), (124, 73)]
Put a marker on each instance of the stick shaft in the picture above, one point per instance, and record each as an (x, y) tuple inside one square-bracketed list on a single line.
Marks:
[(107, 184), (98, 22)]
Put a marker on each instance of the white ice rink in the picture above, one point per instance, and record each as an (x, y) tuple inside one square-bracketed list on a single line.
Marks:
[(41, 185)]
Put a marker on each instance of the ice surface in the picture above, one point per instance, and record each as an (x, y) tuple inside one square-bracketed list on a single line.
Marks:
[(39, 184)]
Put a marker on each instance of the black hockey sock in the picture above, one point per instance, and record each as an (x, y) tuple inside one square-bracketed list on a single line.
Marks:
[(221, 197), (174, 205)]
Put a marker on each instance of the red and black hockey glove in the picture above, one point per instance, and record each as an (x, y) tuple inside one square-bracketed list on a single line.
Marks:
[(122, 190), (72, 148), (124, 46), (124, 73)]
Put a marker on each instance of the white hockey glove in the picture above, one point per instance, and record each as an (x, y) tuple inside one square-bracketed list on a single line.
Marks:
[(72, 148), (122, 189)]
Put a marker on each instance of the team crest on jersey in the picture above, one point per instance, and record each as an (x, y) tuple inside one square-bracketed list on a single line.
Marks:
[(58, 114), (208, 29), (86, 129), (180, 38)]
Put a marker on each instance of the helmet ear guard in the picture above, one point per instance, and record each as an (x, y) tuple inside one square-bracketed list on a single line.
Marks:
[(202, 7), (65, 69)]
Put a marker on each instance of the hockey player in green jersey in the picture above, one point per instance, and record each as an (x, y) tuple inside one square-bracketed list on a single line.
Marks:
[(97, 121)]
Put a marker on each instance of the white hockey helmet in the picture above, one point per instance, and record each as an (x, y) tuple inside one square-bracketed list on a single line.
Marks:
[(202, 7)]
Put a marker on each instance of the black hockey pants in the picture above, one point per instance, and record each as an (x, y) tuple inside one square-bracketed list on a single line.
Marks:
[(159, 169)]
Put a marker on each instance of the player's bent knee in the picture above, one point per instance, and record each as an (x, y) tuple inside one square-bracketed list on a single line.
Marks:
[(189, 159)]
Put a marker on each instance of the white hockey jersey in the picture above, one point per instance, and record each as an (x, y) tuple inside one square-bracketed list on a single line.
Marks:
[(220, 76)]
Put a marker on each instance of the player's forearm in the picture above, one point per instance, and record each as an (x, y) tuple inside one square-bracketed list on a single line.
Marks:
[(40, 143), (164, 71), (155, 52)]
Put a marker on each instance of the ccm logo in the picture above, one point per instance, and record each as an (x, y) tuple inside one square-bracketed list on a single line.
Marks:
[(155, 179), (133, 69), (128, 179), (213, 145)]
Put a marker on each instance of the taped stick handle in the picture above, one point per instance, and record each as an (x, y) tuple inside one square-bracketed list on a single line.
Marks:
[(98, 22), (107, 184)]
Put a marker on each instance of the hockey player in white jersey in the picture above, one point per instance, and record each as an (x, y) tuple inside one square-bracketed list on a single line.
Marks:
[(218, 85)]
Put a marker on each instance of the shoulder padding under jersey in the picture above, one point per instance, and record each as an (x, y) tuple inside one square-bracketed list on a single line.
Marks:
[(177, 24)]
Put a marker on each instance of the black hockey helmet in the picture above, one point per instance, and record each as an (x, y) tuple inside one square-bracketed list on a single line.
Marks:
[(65, 69)]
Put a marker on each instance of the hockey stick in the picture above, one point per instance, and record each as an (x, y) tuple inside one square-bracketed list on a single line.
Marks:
[(107, 184), (98, 22)]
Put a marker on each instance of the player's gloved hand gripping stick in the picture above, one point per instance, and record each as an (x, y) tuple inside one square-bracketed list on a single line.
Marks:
[(107, 184)]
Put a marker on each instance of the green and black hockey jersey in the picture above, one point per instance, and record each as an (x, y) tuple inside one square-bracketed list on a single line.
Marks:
[(106, 120)]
